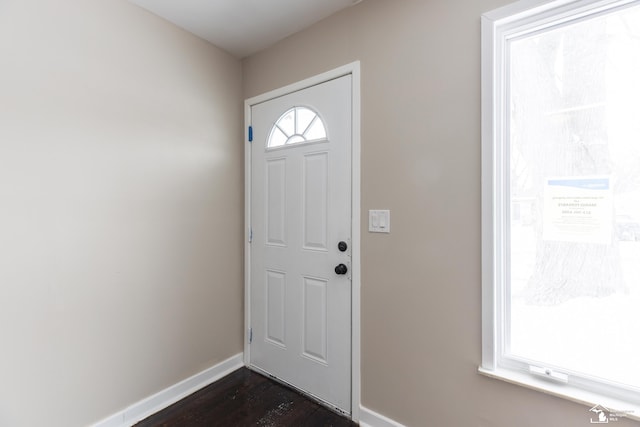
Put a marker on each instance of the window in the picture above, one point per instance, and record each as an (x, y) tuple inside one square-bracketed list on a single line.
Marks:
[(297, 125), (561, 198)]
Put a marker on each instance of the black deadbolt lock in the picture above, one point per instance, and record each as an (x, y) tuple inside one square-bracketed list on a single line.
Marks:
[(342, 246)]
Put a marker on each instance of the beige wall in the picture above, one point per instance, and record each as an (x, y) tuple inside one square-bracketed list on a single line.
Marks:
[(420, 158), (120, 208)]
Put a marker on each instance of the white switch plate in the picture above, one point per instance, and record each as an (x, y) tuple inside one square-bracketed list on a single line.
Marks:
[(379, 221)]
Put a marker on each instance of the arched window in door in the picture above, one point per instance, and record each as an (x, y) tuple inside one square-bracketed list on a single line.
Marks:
[(295, 126)]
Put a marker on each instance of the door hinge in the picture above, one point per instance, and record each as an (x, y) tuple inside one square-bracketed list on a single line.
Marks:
[(250, 335), (250, 133), (250, 235)]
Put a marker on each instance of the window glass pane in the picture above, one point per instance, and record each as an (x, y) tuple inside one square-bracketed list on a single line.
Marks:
[(574, 153), (287, 123), (277, 138), (304, 119), (295, 139), (316, 130)]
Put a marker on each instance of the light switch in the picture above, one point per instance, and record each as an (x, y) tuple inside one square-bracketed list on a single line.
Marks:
[(379, 221)]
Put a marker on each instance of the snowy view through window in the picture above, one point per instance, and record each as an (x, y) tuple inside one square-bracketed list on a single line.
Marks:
[(574, 150)]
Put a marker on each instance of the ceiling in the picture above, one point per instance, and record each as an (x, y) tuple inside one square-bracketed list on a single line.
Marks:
[(243, 27)]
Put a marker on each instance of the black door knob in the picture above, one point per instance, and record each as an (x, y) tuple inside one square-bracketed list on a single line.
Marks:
[(341, 269), (342, 246)]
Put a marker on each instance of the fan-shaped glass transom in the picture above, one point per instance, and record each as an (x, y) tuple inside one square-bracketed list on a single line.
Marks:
[(297, 125)]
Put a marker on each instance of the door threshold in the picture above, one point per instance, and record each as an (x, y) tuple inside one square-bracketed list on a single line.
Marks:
[(306, 394)]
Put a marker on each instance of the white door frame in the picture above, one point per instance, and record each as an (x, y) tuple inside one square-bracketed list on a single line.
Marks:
[(352, 69)]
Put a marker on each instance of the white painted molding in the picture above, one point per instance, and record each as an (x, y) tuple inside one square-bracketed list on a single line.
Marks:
[(369, 418), (167, 397)]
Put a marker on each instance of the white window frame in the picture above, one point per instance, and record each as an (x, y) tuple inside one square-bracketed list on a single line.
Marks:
[(288, 144), (498, 27)]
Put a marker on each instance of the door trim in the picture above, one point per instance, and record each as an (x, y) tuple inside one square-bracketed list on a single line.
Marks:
[(352, 69)]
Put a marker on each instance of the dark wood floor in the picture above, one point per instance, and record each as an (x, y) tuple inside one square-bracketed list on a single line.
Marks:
[(245, 398)]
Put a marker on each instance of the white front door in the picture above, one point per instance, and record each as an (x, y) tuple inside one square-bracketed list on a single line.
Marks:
[(300, 283)]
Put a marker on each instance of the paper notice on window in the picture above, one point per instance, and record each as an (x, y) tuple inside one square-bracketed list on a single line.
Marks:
[(578, 210)]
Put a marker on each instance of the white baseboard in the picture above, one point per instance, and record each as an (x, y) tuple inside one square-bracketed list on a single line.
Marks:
[(369, 418), (152, 404)]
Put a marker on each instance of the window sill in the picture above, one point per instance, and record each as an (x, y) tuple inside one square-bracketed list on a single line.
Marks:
[(587, 398)]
